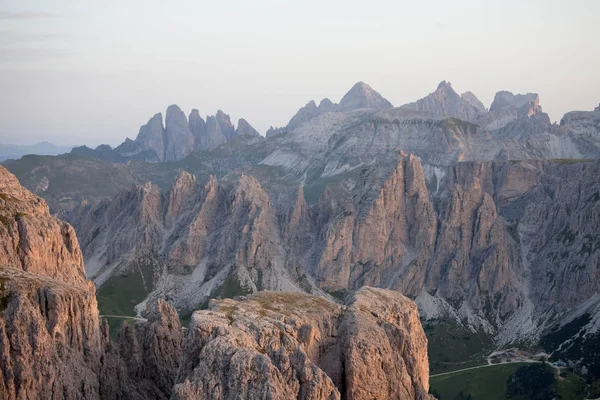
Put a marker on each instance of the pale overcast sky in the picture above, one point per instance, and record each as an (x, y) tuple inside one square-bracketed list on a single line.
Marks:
[(75, 72)]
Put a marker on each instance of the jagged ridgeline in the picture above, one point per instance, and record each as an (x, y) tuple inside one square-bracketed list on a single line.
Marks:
[(486, 217), (53, 344)]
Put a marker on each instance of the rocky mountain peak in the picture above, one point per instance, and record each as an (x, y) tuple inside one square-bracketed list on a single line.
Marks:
[(249, 187), (444, 85), (309, 111), (446, 102), (198, 128), (512, 114), (597, 109), (194, 117), (244, 128), (179, 140), (327, 105), (473, 100), (173, 112), (181, 191), (274, 131), (505, 99), (362, 95), (149, 139), (225, 125)]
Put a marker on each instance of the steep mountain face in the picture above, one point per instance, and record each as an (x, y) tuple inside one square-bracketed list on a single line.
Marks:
[(229, 238), (223, 234), (149, 144), (179, 139), (445, 101), (54, 346), (23, 215), (486, 244)]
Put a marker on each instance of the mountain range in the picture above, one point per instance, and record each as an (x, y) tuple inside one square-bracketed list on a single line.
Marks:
[(486, 217), (12, 151), (173, 140), (55, 345)]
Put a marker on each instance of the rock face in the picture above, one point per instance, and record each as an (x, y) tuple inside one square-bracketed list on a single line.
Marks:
[(305, 347)]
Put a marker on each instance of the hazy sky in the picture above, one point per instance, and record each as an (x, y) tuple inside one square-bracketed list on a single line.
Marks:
[(76, 72)]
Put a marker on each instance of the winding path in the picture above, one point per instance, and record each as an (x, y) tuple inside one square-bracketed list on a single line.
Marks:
[(493, 365), (124, 317)]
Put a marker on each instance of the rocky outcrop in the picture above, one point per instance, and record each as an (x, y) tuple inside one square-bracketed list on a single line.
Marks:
[(50, 338), (151, 352), (32, 240), (274, 131), (305, 347)]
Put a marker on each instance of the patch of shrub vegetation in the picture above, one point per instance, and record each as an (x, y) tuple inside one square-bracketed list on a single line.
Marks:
[(531, 382)]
